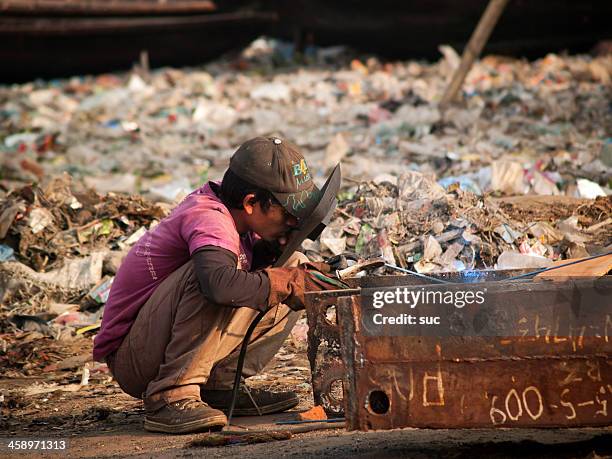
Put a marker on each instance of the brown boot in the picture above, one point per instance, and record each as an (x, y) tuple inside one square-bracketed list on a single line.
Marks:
[(185, 416), (251, 402)]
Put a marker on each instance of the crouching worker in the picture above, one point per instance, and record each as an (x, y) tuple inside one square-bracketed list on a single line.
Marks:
[(187, 291)]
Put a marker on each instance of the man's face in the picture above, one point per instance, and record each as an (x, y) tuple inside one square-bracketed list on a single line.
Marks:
[(272, 224)]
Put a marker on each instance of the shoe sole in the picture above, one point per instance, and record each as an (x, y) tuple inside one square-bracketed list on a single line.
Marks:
[(213, 423), (277, 407)]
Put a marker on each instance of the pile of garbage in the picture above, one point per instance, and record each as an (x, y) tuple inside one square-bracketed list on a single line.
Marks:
[(538, 127), (59, 251), (415, 223), (426, 188)]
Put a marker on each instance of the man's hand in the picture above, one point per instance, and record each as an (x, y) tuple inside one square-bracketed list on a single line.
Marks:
[(289, 285)]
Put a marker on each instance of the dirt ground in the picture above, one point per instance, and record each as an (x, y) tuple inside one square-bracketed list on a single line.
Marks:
[(125, 437), (48, 401), (107, 423)]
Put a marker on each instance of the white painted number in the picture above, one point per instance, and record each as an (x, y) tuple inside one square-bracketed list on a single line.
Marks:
[(496, 411), (515, 405), (540, 403), (519, 411)]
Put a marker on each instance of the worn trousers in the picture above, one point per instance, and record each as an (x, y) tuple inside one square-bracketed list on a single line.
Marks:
[(180, 341)]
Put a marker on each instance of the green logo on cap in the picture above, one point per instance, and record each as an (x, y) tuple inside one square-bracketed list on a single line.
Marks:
[(300, 172), (297, 201)]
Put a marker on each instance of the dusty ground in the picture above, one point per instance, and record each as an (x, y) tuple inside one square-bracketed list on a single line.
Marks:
[(127, 438), (106, 423), (98, 420)]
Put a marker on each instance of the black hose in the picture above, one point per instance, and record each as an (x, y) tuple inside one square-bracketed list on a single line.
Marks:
[(240, 363)]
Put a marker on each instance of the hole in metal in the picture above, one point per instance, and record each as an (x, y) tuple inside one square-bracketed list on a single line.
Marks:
[(378, 402)]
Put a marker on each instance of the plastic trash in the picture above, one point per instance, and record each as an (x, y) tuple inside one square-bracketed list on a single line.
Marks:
[(275, 92), (173, 191), (507, 177), (517, 260), (6, 253), (589, 189), (39, 219)]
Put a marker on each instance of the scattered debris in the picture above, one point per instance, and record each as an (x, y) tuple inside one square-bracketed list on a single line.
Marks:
[(425, 227), (316, 413), (218, 439)]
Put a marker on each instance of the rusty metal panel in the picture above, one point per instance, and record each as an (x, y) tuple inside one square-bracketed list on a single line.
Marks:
[(54, 46), (327, 368), (105, 7), (324, 355), (88, 26), (536, 380)]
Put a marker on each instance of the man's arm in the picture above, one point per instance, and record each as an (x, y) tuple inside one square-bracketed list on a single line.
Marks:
[(222, 283)]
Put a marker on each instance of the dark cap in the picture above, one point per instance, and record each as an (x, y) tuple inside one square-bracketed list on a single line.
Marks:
[(277, 166)]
